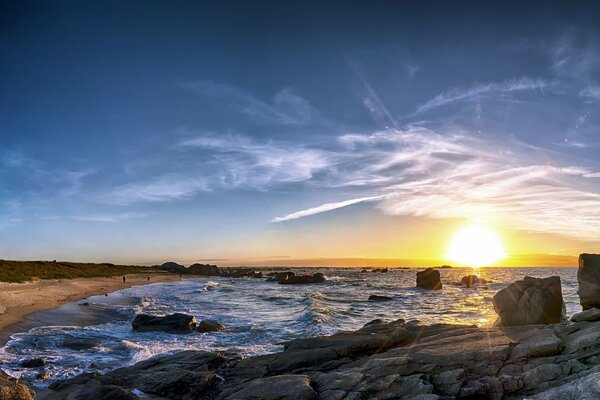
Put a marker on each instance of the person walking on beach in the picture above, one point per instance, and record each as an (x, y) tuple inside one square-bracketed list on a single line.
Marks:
[(148, 277), (123, 278)]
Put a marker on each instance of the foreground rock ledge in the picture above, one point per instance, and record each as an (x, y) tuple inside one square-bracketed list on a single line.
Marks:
[(394, 360)]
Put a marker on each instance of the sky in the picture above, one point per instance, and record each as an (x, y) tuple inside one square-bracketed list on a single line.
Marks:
[(276, 132)]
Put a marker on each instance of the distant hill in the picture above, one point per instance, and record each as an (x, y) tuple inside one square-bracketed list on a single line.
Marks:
[(21, 271)]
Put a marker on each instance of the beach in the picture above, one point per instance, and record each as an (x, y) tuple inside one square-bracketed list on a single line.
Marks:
[(18, 300)]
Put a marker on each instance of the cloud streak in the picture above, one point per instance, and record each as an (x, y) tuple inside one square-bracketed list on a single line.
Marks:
[(480, 90), (325, 208)]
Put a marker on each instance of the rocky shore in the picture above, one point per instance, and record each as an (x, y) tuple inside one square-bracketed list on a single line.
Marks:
[(394, 360), (532, 351)]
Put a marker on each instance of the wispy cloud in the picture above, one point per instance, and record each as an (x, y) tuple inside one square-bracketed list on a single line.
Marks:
[(325, 208), (480, 90), (159, 189), (420, 172), (286, 107), (591, 93), (249, 163)]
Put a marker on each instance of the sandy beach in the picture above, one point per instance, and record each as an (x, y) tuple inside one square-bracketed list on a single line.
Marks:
[(18, 300)]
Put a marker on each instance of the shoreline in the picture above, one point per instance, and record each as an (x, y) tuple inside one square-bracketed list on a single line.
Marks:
[(20, 300)]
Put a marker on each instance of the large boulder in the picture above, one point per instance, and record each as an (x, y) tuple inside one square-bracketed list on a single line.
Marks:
[(531, 301), (173, 267), (588, 276), (429, 279), (174, 323)]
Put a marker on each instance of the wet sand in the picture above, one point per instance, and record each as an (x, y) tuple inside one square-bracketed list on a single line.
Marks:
[(20, 300)]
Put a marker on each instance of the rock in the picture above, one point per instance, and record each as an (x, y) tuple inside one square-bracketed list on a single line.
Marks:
[(584, 388), (204, 269), (529, 302), (99, 391), (281, 276), (429, 279), (79, 343), (588, 276), (42, 376), (33, 363), (590, 315), (290, 278), (471, 280), (175, 323), (282, 387), (12, 390), (376, 297), (209, 325)]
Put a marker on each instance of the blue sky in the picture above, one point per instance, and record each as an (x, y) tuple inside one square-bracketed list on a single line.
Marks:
[(135, 132)]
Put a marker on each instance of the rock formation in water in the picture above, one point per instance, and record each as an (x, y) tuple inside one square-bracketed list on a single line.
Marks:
[(429, 279), (472, 280), (377, 297), (530, 301), (175, 323), (588, 276), (209, 325), (290, 278)]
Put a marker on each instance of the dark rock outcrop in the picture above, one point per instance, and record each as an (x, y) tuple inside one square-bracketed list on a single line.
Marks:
[(175, 323), (588, 276), (376, 297), (209, 325), (471, 280), (33, 363), (429, 279), (290, 278), (79, 343), (530, 301), (395, 360)]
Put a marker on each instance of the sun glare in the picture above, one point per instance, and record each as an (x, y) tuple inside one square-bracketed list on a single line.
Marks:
[(475, 246)]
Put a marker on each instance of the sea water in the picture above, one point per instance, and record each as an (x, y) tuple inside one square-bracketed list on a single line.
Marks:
[(259, 316)]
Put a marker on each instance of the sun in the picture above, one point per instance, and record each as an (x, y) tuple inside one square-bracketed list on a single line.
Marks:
[(475, 246)]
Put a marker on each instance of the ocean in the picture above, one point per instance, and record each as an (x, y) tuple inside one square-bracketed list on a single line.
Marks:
[(259, 315)]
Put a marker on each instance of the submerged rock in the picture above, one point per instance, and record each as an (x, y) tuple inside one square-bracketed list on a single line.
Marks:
[(530, 301), (376, 297), (79, 343), (588, 276), (33, 363), (175, 323), (429, 279), (471, 280), (209, 325)]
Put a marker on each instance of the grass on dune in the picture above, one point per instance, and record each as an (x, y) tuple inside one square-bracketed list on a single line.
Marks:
[(22, 271)]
